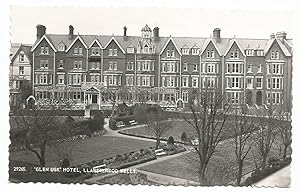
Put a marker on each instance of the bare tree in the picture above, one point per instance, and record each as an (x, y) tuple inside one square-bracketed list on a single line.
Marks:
[(40, 125), (266, 134), (284, 127), (157, 125), (208, 117), (243, 128)]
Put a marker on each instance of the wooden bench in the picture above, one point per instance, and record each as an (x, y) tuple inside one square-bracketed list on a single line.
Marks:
[(132, 122), (159, 152), (99, 167)]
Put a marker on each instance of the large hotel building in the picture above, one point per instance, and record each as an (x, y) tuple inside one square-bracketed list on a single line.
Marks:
[(94, 70)]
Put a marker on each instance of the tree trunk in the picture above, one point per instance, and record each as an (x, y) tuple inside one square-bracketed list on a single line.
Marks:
[(284, 152), (43, 151), (202, 176), (264, 162), (240, 173), (157, 144)]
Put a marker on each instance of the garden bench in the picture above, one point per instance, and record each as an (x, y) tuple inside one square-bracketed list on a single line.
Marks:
[(132, 122), (159, 152), (99, 167)]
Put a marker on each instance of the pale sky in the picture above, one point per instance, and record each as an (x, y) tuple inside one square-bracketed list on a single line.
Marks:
[(185, 22)]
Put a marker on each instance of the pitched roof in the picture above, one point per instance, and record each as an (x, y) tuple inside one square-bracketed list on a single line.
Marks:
[(15, 49), (180, 42)]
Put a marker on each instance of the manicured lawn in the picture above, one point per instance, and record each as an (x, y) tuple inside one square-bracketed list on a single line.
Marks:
[(178, 127), (181, 166), (86, 150)]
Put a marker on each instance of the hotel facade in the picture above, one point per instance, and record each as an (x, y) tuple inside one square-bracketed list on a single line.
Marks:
[(96, 70)]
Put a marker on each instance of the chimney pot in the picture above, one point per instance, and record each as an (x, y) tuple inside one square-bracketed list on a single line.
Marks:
[(272, 36), (281, 35)]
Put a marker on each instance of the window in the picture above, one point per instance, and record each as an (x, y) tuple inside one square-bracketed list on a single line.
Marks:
[(195, 51), (172, 53), (210, 54), (272, 55), (194, 82), (258, 83), (185, 66), (259, 68), (146, 49), (60, 63), (276, 83), (95, 51), (21, 57), (42, 49), (21, 70), (44, 63), (249, 83), (129, 65), (61, 79), (234, 97), (234, 54), (113, 52), (235, 82), (46, 50), (185, 81), (185, 96), (80, 51), (249, 68), (112, 65), (269, 83), (269, 69), (75, 79), (61, 47), (249, 52), (79, 64), (259, 52), (211, 82), (130, 50), (276, 68), (277, 55), (268, 98), (129, 80), (211, 68), (195, 67), (185, 51)]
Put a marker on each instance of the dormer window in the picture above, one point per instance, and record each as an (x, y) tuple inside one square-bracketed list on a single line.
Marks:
[(259, 52), (195, 51), (130, 50), (185, 51), (61, 47), (249, 52)]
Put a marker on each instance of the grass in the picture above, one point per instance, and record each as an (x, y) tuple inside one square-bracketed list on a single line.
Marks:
[(83, 151), (221, 169)]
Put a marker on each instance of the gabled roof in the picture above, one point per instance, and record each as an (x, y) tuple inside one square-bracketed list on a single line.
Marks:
[(280, 44), (39, 41), (234, 41), (77, 38), (95, 41), (207, 43), (170, 40), (17, 48), (113, 39)]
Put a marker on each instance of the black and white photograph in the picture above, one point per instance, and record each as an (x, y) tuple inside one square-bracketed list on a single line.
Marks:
[(149, 96)]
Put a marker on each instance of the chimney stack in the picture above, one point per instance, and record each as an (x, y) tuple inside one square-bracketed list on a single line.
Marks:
[(281, 35), (217, 35), (125, 33), (156, 33), (71, 32), (40, 31), (272, 36)]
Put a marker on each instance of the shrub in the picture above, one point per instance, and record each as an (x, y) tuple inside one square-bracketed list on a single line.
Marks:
[(183, 137), (171, 141), (112, 124)]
